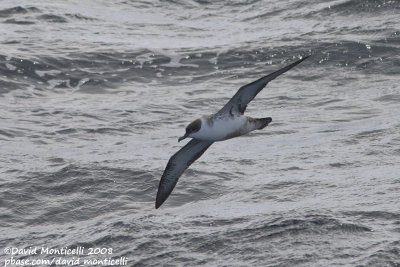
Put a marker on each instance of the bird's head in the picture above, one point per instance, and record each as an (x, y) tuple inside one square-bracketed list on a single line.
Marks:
[(192, 128)]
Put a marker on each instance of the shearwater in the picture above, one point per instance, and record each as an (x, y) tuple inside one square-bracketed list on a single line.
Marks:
[(227, 123)]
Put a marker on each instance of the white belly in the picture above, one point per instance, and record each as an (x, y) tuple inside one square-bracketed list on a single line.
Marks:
[(223, 128)]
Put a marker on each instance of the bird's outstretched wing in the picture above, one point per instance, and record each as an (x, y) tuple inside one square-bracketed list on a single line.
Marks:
[(238, 103), (177, 164)]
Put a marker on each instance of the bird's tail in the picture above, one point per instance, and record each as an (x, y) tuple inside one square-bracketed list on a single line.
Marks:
[(263, 122)]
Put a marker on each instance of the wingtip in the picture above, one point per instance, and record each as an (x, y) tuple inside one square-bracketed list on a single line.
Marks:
[(304, 57), (159, 202), (161, 198)]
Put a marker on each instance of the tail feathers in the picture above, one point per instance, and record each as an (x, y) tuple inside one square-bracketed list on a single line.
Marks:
[(263, 122)]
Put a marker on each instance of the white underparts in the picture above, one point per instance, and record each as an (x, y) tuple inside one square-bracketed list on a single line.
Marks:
[(222, 128)]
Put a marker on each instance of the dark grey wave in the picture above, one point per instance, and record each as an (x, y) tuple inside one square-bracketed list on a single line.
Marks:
[(8, 12), (93, 71)]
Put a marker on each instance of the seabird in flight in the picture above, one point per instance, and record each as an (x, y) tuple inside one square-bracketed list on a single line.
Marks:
[(227, 123)]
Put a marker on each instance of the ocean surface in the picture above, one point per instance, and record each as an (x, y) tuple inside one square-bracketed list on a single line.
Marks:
[(94, 95)]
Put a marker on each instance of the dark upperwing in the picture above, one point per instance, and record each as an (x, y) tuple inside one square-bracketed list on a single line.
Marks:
[(238, 103)]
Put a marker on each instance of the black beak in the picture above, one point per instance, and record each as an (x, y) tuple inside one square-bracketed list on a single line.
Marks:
[(183, 137)]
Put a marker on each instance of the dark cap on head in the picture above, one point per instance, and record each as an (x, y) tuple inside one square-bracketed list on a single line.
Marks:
[(191, 128)]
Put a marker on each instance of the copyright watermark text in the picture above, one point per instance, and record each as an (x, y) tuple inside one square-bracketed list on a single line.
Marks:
[(63, 256)]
